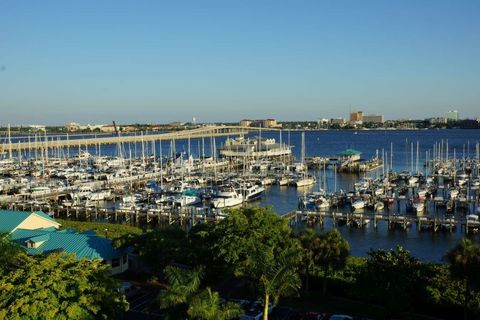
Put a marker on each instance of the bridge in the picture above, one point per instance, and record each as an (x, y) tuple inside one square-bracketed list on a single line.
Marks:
[(65, 142)]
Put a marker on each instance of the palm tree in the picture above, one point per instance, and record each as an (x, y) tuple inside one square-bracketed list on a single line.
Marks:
[(330, 253), (281, 280), (464, 262), (183, 284), (183, 297), (207, 306), (308, 238)]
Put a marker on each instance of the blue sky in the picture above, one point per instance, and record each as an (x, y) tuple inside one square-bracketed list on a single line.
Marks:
[(159, 61)]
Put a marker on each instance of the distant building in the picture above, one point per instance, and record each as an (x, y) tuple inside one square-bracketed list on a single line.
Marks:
[(437, 120), (350, 155), (451, 115), (356, 117), (72, 126), (108, 128), (270, 123), (37, 127), (38, 233), (266, 123), (338, 121), (373, 118), (322, 123), (246, 123)]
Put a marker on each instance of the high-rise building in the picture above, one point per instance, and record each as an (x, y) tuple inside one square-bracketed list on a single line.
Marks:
[(356, 116), (451, 115)]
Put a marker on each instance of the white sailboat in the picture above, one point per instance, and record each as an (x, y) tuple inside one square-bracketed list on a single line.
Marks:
[(304, 179)]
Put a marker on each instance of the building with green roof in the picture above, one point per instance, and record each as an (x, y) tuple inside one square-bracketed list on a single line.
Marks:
[(38, 233), (350, 155), (11, 220)]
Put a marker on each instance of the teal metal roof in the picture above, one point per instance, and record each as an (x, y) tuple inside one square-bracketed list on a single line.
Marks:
[(40, 238), (83, 245), (9, 219), (350, 152)]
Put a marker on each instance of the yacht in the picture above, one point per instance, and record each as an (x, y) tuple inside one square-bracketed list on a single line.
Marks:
[(226, 196), (187, 198), (100, 195), (251, 191)]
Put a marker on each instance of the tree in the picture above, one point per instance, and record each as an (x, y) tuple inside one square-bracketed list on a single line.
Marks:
[(330, 252), (391, 278), (464, 261), (307, 238), (9, 253), (58, 286), (160, 248), (258, 245), (182, 297), (207, 306), (120, 234), (183, 284)]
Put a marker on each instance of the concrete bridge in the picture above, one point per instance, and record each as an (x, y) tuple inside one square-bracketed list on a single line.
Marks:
[(64, 142)]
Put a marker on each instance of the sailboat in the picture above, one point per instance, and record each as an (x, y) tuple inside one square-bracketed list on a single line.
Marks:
[(304, 180)]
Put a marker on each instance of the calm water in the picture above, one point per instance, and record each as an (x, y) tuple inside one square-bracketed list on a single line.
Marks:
[(425, 245)]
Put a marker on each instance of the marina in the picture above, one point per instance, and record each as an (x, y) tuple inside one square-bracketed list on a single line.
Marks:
[(390, 194)]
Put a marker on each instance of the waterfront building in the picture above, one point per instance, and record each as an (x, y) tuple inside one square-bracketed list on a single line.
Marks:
[(270, 123), (265, 123), (350, 155), (338, 121), (356, 117), (108, 128), (246, 123), (373, 118), (437, 120), (37, 127), (39, 233), (322, 123), (451, 115), (72, 126)]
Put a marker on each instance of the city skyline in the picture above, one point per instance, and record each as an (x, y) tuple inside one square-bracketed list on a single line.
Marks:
[(158, 62)]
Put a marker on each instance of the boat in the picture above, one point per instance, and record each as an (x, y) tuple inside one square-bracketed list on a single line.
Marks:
[(100, 195), (418, 207), (304, 181), (412, 181), (39, 190), (422, 194), (358, 204), (226, 196), (84, 192), (359, 221), (473, 222), (379, 206), (322, 203), (283, 181), (188, 198), (251, 191), (454, 193), (448, 223)]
